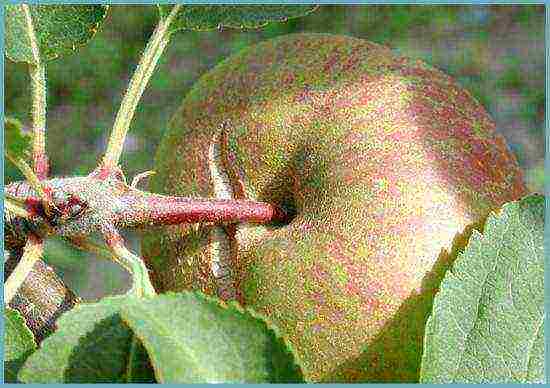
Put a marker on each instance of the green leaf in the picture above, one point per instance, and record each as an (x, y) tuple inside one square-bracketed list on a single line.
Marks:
[(19, 344), (487, 320), (192, 338), (54, 29), (204, 18), (91, 345), (16, 142)]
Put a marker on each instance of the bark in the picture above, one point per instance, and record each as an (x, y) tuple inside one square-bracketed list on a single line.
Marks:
[(42, 298)]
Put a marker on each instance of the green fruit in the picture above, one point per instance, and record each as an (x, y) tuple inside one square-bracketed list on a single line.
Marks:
[(387, 163)]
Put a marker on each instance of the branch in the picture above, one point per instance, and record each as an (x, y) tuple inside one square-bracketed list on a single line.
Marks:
[(144, 70), (42, 297)]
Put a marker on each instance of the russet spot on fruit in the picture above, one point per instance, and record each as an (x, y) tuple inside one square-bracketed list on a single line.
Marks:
[(385, 163)]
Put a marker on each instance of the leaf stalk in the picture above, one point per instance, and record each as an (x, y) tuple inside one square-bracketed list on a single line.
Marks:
[(32, 252), (144, 70), (37, 74)]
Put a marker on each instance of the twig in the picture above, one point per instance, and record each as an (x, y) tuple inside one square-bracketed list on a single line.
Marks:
[(90, 246), (144, 70)]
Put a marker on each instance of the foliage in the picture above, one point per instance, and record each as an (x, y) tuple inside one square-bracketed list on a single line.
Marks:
[(16, 142), (188, 338), (204, 18), (91, 344), (55, 29), (192, 339), (487, 323), (18, 345), (490, 303)]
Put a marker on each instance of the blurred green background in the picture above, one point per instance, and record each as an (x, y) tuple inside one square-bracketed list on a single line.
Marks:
[(496, 52)]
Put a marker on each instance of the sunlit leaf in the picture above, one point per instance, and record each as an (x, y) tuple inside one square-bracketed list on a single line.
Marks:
[(203, 18), (54, 30)]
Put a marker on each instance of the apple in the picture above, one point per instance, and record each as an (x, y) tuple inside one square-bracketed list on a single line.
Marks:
[(383, 164)]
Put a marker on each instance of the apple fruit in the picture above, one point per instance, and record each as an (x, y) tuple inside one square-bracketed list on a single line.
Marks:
[(384, 165)]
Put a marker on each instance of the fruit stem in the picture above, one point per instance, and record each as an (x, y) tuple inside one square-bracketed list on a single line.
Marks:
[(148, 209), (144, 70)]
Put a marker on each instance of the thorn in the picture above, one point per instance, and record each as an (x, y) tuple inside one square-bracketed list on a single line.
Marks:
[(141, 176)]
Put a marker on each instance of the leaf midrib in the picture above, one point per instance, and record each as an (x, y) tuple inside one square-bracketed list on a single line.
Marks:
[(481, 294)]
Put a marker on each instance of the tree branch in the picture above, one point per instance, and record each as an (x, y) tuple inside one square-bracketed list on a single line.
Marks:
[(42, 297)]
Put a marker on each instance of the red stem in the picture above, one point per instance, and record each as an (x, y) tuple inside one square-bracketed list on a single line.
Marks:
[(41, 166), (154, 210)]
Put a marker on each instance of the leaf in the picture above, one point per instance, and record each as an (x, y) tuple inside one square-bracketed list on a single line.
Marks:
[(16, 142), (91, 345), (54, 29), (19, 344), (204, 18), (192, 338), (487, 320)]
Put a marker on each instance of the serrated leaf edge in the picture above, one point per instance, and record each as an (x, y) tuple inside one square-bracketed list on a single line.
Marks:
[(297, 362), (474, 241), (232, 306), (243, 28), (94, 29)]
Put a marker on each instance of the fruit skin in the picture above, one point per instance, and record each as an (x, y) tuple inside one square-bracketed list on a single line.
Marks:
[(389, 164)]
